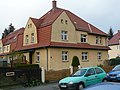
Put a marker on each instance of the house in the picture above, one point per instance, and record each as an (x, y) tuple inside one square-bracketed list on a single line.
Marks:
[(114, 44), (55, 38)]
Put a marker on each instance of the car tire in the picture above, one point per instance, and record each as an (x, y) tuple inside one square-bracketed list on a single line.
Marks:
[(104, 80), (80, 86)]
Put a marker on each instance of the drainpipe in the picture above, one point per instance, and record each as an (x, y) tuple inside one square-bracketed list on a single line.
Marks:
[(47, 57)]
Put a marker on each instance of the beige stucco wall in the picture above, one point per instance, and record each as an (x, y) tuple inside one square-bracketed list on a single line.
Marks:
[(58, 27), (29, 31), (114, 52), (56, 62)]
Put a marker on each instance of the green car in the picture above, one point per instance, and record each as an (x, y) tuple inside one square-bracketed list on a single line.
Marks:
[(82, 78)]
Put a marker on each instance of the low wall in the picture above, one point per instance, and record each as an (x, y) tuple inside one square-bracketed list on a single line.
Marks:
[(53, 76)]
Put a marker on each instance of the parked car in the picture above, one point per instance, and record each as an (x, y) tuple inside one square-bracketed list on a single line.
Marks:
[(114, 75), (82, 78), (104, 86)]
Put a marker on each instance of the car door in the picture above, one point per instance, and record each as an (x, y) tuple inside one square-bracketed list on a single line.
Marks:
[(90, 77), (100, 74)]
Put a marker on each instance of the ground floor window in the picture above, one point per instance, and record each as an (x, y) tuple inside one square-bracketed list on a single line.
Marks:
[(84, 56), (37, 56), (64, 56), (99, 55)]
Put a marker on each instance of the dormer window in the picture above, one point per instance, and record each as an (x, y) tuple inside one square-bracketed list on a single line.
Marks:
[(62, 21), (66, 22), (97, 40), (83, 38)]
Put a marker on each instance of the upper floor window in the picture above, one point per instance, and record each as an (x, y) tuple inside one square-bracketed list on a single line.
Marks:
[(83, 38), (99, 55), (64, 56), (84, 55), (30, 24), (100, 40), (66, 22), (38, 56), (64, 35), (32, 38), (26, 39), (97, 40), (62, 21)]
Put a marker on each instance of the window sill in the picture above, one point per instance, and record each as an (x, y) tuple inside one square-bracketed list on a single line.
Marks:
[(85, 60), (65, 61)]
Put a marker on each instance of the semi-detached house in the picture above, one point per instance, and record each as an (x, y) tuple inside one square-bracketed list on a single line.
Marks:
[(55, 38)]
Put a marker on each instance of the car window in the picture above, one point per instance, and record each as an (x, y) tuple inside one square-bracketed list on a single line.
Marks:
[(90, 72), (98, 70)]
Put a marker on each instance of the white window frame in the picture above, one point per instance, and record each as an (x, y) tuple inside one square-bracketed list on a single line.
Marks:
[(37, 56), (99, 55), (84, 56), (83, 38), (64, 55), (64, 35), (26, 39), (97, 40), (32, 38)]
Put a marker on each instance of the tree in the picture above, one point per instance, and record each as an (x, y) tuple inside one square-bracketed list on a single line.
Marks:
[(110, 33), (11, 28), (75, 61)]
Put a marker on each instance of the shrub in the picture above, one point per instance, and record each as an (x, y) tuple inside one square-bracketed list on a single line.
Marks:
[(114, 61), (27, 66), (75, 61)]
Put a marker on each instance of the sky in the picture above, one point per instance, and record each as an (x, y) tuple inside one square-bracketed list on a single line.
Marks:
[(101, 13)]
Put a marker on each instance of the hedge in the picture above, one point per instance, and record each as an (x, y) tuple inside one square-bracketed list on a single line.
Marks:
[(27, 66)]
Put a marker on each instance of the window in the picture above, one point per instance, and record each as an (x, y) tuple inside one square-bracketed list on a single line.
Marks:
[(27, 40), (83, 38), (0, 49), (64, 35), (66, 22), (62, 21), (84, 55), (31, 25), (98, 71), (7, 48), (28, 25), (32, 38), (64, 56), (38, 56), (97, 40), (90, 72), (99, 55), (100, 40)]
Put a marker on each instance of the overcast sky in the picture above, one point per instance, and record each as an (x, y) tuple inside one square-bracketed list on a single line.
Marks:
[(101, 13)]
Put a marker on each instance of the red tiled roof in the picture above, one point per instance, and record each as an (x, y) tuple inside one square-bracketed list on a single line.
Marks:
[(79, 45), (115, 39)]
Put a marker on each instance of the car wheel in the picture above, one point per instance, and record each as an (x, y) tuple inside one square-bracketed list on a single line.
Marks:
[(105, 80), (80, 86)]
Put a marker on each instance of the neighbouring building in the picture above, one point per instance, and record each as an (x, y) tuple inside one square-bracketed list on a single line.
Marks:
[(55, 38), (114, 44)]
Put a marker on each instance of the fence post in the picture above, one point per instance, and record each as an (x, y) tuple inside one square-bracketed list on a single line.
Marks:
[(71, 69), (43, 74)]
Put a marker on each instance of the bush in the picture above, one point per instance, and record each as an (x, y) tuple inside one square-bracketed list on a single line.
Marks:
[(114, 61), (75, 61), (27, 66)]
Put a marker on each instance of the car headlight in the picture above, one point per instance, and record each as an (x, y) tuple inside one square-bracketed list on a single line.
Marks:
[(70, 83), (118, 75)]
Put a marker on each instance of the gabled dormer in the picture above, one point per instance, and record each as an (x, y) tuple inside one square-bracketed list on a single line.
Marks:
[(30, 33)]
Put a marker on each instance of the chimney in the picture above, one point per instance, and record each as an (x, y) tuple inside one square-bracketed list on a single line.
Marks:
[(54, 4), (118, 31)]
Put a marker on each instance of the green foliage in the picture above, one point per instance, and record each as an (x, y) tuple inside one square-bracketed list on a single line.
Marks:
[(110, 33), (27, 66), (114, 61), (75, 61), (32, 83)]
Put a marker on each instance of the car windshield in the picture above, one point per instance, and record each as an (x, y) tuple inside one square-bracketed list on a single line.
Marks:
[(116, 68), (80, 72)]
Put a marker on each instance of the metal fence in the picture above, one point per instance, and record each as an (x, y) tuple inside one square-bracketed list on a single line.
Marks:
[(13, 76)]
